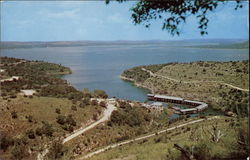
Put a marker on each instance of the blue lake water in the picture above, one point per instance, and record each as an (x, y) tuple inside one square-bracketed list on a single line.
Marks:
[(99, 67)]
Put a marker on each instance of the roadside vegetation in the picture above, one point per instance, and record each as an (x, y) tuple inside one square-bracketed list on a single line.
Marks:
[(128, 121), (222, 138)]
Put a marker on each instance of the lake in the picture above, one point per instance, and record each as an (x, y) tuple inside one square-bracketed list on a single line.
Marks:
[(99, 66)]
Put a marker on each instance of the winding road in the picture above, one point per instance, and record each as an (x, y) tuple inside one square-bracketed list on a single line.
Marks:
[(106, 115), (142, 137), (175, 80)]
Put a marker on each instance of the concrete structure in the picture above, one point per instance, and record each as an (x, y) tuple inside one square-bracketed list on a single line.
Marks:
[(13, 78), (28, 92), (198, 106)]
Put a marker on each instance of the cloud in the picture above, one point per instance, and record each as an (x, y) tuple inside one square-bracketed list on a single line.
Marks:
[(74, 13), (116, 18)]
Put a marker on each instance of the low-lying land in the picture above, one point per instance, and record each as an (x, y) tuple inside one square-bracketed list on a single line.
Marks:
[(223, 85)]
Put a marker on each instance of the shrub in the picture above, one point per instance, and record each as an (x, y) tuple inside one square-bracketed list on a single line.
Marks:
[(57, 150), (31, 134), (46, 129), (86, 101), (14, 114), (103, 104), (73, 108), (94, 102), (19, 152), (61, 119), (100, 93), (70, 120), (68, 127), (58, 111), (30, 118), (39, 131), (6, 141)]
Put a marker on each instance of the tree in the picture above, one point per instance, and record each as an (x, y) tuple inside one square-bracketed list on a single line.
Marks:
[(103, 104), (14, 114), (5, 141), (174, 13), (58, 111), (57, 150), (100, 93), (19, 152), (31, 134), (61, 119)]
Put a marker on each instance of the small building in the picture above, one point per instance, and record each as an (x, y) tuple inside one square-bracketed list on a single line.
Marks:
[(163, 98), (188, 111), (157, 104), (28, 92), (202, 107), (191, 103), (197, 106), (176, 108)]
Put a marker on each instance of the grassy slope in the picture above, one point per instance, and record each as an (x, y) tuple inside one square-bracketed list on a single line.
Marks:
[(218, 96), (162, 146)]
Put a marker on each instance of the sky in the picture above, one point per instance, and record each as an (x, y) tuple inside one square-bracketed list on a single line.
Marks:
[(94, 20)]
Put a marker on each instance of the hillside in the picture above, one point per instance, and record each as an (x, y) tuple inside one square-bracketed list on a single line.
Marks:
[(38, 108), (193, 142), (224, 85), (241, 45)]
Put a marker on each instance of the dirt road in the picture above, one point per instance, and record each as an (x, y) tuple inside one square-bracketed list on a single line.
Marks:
[(175, 80), (142, 137), (106, 115)]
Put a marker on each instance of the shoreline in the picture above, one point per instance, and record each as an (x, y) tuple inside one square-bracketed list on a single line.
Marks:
[(135, 83)]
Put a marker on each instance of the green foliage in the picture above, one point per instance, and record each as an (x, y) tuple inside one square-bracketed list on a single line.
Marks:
[(30, 118), (46, 130), (40, 76), (5, 141), (74, 108), (58, 111), (31, 134), (94, 102), (14, 114), (235, 101), (175, 13), (242, 133), (61, 119), (67, 122), (130, 116), (19, 152), (137, 74), (100, 93), (57, 150)]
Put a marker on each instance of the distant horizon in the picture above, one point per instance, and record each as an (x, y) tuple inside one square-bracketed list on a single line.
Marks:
[(243, 39)]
